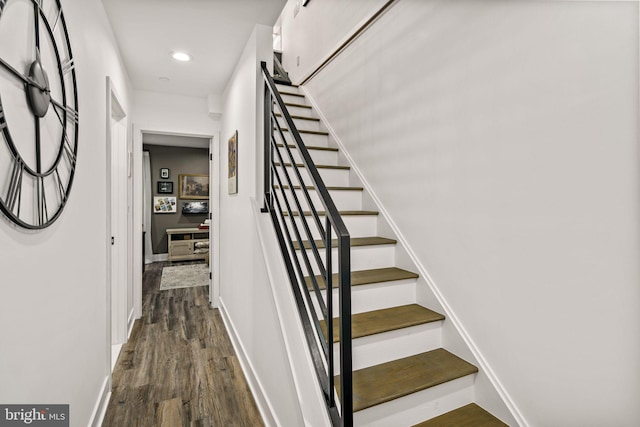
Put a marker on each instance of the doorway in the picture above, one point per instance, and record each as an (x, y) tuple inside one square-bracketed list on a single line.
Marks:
[(119, 224), (143, 198)]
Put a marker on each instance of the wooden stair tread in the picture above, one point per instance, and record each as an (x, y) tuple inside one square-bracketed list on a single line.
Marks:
[(313, 132), (313, 119), (290, 104), (331, 188), (291, 94), (391, 380), (470, 415), (310, 147), (366, 277), (343, 213), (385, 320), (300, 165), (355, 241)]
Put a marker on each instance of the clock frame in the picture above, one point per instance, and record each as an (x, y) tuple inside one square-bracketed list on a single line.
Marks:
[(38, 112)]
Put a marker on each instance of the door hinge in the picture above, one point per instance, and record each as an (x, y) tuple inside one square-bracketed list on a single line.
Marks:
[(113, 240), (210, 156), (210, 215), (210, 278)]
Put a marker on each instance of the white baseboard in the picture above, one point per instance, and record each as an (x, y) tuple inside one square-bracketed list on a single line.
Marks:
[(422, 271), (262, 401), (100, 409), (159, 257)]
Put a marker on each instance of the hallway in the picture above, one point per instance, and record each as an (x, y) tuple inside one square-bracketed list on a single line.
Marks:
[(179, 367)]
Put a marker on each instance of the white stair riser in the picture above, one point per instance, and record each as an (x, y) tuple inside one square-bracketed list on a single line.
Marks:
[(287, 88), (309, 139), (358, 226), (362, 258), (296, 111), (419, 406), (301, 124), (292, 99), (330, 177), (377, 296), (344, 200), (319, 157), (392, 345)]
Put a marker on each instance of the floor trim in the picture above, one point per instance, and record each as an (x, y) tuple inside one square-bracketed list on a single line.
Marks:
[(100, 409), (262, 401)]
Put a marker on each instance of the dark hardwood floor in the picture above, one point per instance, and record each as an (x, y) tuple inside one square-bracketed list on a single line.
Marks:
[(179, 368)]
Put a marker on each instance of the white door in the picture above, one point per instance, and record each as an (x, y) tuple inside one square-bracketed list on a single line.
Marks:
[(119, 294)]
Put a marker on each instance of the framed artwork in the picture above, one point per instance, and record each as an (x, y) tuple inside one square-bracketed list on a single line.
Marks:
[(165, 187), (195, 207), (193, 186), (164, 205), (233, 163), (164, 173)]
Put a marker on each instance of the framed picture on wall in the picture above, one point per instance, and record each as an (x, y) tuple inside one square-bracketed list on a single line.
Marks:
[(165, 187), (193, 186), (164, 173), (233, 163), (164, 205)]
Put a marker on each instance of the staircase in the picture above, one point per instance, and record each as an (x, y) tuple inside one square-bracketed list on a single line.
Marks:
[(401, 374)]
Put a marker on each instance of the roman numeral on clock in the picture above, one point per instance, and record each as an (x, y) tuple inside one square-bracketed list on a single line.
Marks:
[(67, 66), (14, 191), (41, 207)]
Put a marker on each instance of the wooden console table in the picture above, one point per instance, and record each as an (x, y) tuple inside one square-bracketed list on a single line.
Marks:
[(182, 243)]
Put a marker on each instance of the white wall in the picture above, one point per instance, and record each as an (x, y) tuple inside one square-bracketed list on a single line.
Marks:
[(502, 138), (245, 294), (318, 29), (53, 287), (170, 113)]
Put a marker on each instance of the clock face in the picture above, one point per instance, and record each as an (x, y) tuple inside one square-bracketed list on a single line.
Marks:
[(38, 112)]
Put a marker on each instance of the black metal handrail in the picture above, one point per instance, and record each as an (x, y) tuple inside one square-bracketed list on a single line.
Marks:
[(308, 270)]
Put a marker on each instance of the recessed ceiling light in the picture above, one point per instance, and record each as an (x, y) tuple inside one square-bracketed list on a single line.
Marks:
[(181, 56)]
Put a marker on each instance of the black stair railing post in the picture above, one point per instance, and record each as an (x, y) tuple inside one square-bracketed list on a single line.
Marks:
[(328, 280), (268, 129), (346, 365)]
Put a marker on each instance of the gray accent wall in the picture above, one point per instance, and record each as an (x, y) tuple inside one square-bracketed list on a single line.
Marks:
[(179, 160)]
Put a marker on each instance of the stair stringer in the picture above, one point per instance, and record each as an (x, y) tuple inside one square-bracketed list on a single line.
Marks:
[(310, 398), (489, 391)]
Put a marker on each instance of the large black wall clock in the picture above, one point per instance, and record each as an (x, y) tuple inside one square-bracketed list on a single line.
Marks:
[(38, 112)]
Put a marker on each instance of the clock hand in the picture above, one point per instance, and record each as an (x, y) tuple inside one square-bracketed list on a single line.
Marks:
[(25, 79)]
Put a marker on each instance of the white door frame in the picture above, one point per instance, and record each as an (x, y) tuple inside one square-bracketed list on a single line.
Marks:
[(214, 196), (117, 240)]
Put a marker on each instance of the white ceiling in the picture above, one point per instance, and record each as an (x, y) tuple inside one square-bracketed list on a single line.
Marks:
[(213, 32)]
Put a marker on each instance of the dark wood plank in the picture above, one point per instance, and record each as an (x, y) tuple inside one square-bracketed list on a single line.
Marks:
[(470, 415), (310, 147), (382, 383), (355, 241), (385, 320), (179, 367), (289, 104), (313, 132), (366, 277), (330, 188), (313, 119), (300, 165), (291, 94), (343, 213)]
